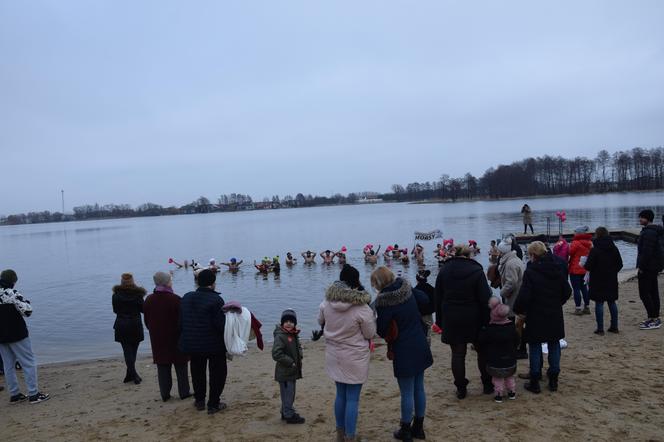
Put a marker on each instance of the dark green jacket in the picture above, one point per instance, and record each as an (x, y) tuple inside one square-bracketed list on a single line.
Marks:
[(287, 352)]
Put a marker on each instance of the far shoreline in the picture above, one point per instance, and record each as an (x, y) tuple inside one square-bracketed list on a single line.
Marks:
[(532, 197), (430, 201)]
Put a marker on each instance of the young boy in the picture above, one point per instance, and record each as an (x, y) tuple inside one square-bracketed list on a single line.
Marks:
[(287, 352)]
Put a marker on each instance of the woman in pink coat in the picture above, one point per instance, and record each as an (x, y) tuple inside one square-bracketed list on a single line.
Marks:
[(349, 325)]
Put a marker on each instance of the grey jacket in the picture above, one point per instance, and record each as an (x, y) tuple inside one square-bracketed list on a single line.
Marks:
[(511, 270)]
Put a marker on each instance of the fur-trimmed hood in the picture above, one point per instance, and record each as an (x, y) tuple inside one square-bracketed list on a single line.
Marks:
[(339, 294), (131, 290), (396, 293)]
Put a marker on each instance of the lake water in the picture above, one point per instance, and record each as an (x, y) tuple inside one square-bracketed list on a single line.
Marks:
[(67, 269)]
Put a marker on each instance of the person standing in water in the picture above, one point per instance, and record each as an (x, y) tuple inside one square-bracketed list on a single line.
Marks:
[(341, 254), (527, 213), (418, 254), (290, 260), (263, 267), (275, 267), (233, 265), (328, 257), (309, 257), (371, 255)]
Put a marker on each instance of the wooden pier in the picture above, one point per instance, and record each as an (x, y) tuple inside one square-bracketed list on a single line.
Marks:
[(627, 235)]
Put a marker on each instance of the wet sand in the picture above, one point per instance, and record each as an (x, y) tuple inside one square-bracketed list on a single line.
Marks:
[(611, 388)]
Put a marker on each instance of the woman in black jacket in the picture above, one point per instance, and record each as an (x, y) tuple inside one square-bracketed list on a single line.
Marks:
[(604, 262), (462, 309), (399, 322), (128, 306), (543, 292)]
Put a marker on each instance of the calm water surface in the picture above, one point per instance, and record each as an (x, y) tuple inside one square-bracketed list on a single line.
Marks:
[(67, 270)]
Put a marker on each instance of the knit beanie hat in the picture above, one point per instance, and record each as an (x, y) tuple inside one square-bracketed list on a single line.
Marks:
[(499, 311), (582, 229), (127, 279), (206, 278), (289, 315), (161, 278), (505, 246)]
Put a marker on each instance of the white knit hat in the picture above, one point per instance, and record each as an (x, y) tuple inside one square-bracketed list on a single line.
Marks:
[(505, 246)]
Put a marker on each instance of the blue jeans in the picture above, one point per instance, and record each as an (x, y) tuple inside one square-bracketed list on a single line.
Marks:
[(536, 360), (20, 351), (346, 406), (599, 314), (580, 288), (412, 396)]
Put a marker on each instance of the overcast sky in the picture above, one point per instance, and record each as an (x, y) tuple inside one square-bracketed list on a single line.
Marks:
[(135, 101)]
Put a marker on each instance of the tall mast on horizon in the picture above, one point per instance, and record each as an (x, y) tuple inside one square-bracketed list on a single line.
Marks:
[(63, 201)]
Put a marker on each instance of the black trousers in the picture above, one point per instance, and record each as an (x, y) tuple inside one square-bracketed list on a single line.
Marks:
[(130, 349), (649, 293), (218, 372), (525, 228), (165, 379), (459, 364)]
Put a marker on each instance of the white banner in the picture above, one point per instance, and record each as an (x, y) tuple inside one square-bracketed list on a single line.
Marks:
[(428, 236)]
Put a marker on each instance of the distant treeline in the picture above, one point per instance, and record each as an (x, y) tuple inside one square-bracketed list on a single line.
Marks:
[(636, 169)]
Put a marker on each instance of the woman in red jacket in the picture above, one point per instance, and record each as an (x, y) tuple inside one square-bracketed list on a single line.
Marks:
[(578, 253)]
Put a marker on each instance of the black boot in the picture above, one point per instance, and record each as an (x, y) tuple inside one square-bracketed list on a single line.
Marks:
[(533, 386), (404, 433), (418, 428), (128, 377), (553, 382)]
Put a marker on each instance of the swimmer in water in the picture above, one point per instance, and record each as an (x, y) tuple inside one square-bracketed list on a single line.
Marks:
[(341, 254), (275, 267), (418, 254), (387, 255), (213, 265), (371, 255), (396, 252), (177, 264), (290, 260), (233, 265), (262, 267), (474, 250), (309, 257), (328, 257), (405, 260)]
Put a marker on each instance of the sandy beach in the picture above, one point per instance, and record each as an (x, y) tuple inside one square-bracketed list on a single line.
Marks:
[(611, 388)]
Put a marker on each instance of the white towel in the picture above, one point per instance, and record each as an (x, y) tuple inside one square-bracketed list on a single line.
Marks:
[(236, 332)]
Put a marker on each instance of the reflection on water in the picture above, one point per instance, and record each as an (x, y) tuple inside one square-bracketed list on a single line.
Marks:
[(67, 269)]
